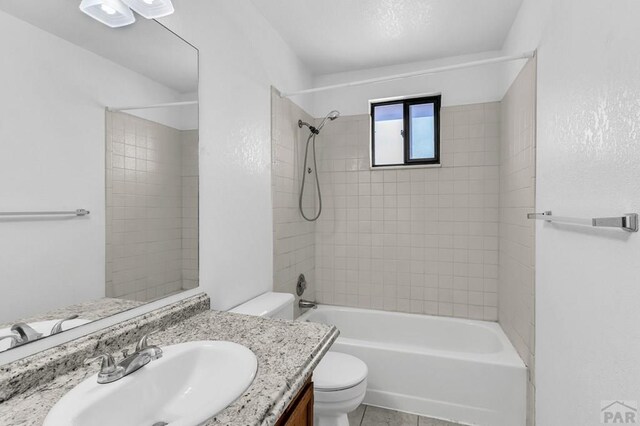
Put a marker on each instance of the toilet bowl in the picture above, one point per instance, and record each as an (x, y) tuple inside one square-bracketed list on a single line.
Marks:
[(339, 385), (339, 380)]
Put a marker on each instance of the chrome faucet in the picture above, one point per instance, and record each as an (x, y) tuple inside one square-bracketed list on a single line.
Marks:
[(21, 333), (110, 371), (307, 304), (143, 355), (26, 333)]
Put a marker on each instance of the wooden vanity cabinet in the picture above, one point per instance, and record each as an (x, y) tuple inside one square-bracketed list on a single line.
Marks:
[(300, 411)]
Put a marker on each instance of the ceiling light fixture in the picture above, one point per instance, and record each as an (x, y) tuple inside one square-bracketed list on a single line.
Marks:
[(112, 13), (151, 9)]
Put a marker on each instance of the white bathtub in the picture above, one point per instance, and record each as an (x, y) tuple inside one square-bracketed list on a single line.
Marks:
[(459, 370)]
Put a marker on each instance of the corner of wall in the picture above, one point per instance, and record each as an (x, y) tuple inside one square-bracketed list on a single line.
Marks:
[(516, 274)]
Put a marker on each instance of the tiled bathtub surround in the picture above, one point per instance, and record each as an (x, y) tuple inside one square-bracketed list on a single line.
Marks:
[(516, 292), (294, 237), (152, 212), (190, 185), (421, 240)]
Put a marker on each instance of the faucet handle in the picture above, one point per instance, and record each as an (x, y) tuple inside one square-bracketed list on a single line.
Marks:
[(27, 334), (109, 370), (143, 344), (57, 328), (108, 364)]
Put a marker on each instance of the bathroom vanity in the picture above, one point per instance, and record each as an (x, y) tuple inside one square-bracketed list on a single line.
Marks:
[(280, 394), (300, 411)]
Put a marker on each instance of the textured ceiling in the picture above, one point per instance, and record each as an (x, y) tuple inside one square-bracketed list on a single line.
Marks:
[(343, 35)]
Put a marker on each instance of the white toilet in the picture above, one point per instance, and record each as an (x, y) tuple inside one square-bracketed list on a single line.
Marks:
[(339, 380)]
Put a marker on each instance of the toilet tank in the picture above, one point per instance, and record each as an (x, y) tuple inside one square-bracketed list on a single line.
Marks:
[(271, 305)]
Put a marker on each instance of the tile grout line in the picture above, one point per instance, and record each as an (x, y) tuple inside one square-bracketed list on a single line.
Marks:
[(363, 413)]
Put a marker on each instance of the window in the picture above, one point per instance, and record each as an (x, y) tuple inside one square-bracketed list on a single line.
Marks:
[(405, 132)]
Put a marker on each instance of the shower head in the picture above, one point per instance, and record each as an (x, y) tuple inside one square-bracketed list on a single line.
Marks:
[(331, 116), (316, 130)]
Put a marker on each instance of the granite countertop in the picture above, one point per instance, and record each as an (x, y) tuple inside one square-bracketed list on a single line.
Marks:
[(92, 310), (287, 353)]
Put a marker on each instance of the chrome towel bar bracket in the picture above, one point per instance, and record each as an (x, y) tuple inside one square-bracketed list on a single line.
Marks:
[(628, 222)]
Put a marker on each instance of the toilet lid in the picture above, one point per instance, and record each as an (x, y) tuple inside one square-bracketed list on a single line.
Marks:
[(337, 371)]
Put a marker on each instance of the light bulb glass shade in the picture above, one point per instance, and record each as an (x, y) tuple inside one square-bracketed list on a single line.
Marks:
[(112, 13), (151, 9)]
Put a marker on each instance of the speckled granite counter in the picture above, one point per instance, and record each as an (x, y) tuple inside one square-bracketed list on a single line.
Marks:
[(287, 353), (93, 310)]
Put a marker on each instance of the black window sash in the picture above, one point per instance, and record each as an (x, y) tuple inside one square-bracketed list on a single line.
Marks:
[(436, 101)]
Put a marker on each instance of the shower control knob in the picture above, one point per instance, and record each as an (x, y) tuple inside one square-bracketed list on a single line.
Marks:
[(301, 286)]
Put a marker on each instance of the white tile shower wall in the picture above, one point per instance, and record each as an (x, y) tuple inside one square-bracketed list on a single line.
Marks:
[(190, 186), (144, 209), (415, 240), (516, 283), (294, 237)]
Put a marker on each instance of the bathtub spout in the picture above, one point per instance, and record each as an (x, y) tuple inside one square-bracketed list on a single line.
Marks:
[(306, 304)]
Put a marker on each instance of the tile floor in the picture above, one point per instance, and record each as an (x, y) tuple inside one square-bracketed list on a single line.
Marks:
[(373, 416)]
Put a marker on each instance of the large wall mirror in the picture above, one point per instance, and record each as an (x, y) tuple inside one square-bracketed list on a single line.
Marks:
[(98, 168)]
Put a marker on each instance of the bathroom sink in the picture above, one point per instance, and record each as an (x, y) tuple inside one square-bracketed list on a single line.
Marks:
[(43, 327), (189, 384)]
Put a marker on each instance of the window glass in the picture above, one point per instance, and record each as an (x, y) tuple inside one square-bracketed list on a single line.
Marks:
[(388, 127), (422, 127)]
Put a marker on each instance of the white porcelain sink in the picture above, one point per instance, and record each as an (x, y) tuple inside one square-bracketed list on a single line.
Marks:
[(189, 384), (43, 327)]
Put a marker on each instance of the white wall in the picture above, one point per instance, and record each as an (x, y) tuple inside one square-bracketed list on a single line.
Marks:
[(587, 286), (181, 118), (236, 74), (52, 156), (240, 57), (525, 35), (461, 87)]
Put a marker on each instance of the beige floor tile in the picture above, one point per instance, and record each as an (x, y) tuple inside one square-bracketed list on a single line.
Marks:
[(424, 421), (374, 416), (355, 417)]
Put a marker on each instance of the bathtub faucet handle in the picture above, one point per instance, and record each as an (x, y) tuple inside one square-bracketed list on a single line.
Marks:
[(307, 304)]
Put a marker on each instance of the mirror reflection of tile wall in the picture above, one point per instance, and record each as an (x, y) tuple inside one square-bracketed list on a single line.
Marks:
[(152, 209)]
